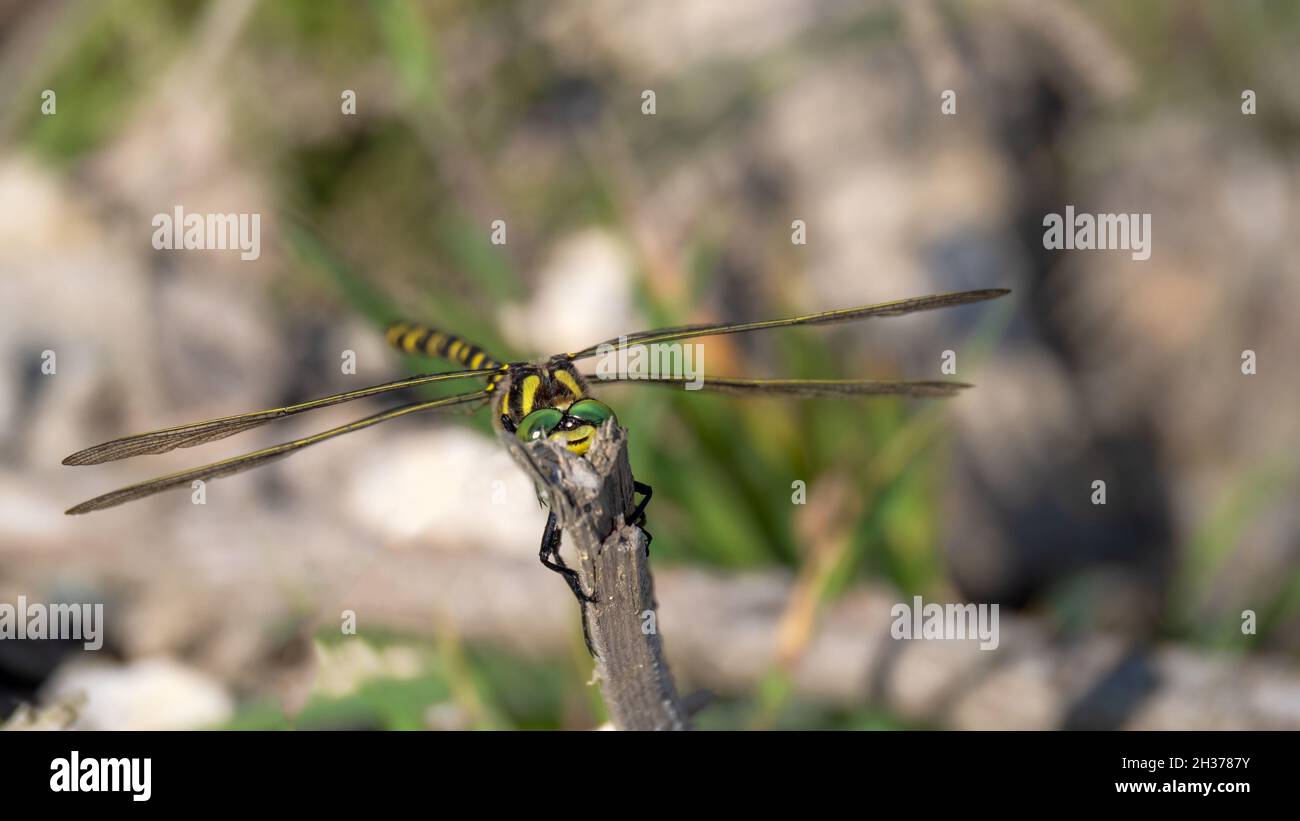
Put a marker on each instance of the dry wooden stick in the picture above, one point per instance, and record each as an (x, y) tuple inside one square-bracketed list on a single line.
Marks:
[(591, 496)]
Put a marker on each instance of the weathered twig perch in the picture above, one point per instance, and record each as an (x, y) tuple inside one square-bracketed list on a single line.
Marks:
[(592, 497)]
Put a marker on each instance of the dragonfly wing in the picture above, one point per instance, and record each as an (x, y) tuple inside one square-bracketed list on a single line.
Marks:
[(260, 457), (198, 433), (811, 388), (898, 307)]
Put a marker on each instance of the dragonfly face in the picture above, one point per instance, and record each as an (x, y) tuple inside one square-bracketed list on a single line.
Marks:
[(550, 402)]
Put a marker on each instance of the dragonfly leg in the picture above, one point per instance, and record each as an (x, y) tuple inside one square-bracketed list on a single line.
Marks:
[(550, 556), (638, 515)]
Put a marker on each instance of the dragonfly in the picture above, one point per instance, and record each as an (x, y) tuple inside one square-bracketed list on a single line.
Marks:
[(547, 400)]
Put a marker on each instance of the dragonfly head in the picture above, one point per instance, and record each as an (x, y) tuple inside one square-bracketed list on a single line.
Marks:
[(550, 402), (574, 427)]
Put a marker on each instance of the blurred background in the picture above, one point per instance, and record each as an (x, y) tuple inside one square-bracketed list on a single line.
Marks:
[(1098, 367)]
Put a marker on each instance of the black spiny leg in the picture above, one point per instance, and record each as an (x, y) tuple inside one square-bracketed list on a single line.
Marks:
[(550, 556), (638, 515)]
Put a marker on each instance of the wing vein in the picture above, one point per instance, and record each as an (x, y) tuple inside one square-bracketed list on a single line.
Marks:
[(199, 433), (238, 464), (808, 388), (898, 307)]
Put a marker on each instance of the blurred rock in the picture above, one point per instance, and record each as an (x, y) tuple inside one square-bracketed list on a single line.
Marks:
[(448, 487), (583, 295), (345, 667), (59, 715), (149, 694)]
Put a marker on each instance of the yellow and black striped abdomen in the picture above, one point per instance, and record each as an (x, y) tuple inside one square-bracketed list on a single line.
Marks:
[(410, 337)]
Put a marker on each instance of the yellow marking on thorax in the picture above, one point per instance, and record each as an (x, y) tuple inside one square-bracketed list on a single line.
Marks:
[(529, 393), (566, 379)]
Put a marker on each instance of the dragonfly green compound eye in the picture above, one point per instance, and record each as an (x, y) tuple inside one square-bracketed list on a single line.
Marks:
[(591, 411), (539, 423)]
